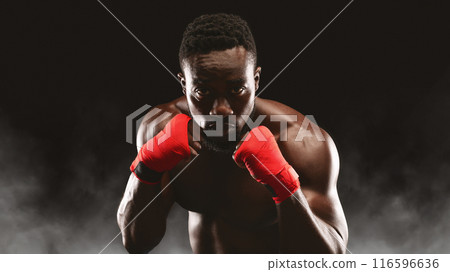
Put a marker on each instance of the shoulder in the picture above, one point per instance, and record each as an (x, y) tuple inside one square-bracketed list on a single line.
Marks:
[(313, 154), (317, 161), (304, 144), (276, 114), (157, 118)]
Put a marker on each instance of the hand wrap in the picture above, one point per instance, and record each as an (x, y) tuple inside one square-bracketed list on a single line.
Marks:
[(261, 155), (163, 152)]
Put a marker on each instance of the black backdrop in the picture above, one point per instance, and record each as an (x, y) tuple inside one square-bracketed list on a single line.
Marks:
[(377, 80)]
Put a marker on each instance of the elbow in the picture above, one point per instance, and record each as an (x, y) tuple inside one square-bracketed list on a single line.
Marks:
[(334, 245), (338, 241), (136, 248), (138, 238), (330, 249), (140, 242), (339, 246), (140, 245), (339, 250), (342, 247)]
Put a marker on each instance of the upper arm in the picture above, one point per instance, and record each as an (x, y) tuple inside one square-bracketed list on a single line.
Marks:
[(317, 163)]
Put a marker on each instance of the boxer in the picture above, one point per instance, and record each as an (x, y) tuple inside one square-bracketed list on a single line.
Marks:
[(255, 188)]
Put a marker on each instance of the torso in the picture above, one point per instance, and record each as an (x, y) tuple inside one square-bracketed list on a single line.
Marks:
[(229, 212)]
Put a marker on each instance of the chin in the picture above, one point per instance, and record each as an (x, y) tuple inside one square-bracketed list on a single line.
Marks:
[(223, 144), (219, 144)]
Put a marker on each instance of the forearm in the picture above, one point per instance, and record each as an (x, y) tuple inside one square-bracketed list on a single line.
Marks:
[(146, 202), (142, 224), (303, 232)]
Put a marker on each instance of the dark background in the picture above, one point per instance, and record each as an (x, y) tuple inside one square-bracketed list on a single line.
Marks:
[(377, 80)]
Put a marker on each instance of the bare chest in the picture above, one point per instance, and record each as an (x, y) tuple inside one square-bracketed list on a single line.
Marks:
[(214, 185)]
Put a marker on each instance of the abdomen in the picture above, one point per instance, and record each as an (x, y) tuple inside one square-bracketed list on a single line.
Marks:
[(213, 234)]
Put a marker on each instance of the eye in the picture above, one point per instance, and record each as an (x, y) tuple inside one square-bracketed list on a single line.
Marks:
[(201, 92), (238, 90)]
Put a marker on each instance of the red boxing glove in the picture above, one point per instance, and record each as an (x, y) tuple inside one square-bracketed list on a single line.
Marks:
[(262, 157), (164, 151)]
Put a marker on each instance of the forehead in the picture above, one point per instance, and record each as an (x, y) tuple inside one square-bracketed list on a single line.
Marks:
[(217, 64)]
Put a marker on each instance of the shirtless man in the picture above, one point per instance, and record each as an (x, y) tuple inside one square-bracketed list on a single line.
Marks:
[(264, 192)]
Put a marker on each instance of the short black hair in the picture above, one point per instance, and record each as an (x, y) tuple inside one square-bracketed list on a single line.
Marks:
[(216, 32)]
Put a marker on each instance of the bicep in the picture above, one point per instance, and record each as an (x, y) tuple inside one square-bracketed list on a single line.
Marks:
[(328, 208), (317, 164)]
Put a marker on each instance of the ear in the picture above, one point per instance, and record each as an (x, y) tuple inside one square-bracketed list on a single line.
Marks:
[(182, 82), (257, 76)]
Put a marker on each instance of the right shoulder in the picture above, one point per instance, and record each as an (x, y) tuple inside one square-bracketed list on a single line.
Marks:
[(155, 120)]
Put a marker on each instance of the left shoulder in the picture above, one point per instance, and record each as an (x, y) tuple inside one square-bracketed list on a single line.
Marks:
[(316, 160), (307, 147)]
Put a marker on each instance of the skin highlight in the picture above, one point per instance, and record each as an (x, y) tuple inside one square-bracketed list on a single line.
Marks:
[(229, 212)]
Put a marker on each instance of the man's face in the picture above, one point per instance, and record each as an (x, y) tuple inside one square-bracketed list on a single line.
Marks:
[(222, 85)]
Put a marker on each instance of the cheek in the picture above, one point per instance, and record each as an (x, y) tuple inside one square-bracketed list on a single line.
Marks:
[(198, 115), (244, 106), (195, 106), (198, 110)]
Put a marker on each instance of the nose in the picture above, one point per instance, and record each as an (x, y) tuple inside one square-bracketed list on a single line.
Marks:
[(221, 107)]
